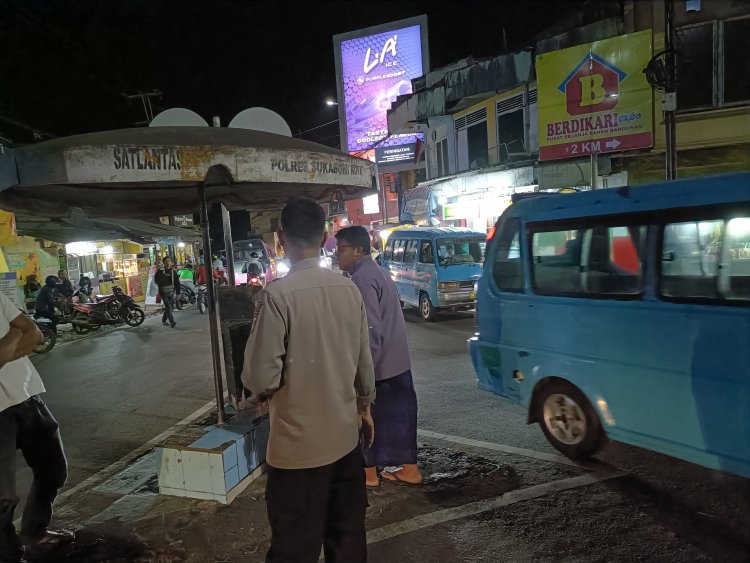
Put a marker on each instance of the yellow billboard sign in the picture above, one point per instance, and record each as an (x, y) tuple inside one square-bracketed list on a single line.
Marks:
[(595, 98), (7, 227)]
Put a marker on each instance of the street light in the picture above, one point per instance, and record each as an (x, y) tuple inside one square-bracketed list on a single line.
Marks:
[(330, 102)]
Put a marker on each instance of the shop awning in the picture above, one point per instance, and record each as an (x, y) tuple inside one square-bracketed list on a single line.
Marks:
[(78, 227), (150, 172)]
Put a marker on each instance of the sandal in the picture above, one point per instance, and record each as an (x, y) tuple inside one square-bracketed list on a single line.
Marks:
[(373, 486), (55, 538), (396, 480)]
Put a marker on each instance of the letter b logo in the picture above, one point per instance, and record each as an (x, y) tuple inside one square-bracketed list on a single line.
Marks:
[(592, 90)]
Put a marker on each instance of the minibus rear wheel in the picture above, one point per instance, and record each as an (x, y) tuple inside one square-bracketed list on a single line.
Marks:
[(568, 420)]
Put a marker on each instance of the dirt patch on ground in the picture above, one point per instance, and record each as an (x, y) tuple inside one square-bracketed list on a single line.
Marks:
[(207, 532)]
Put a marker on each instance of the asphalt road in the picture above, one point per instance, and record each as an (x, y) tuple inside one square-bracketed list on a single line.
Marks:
[(114, 392)]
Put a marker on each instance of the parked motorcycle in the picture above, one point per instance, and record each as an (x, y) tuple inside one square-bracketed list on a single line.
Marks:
[(83, 294), (47, 328), (109, 310)]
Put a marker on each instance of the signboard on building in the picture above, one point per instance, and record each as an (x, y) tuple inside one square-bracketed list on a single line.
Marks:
[(10, 288), (373, 67), (182, 220), (7, 227), (594, 98), (397, 154), (24, 264)]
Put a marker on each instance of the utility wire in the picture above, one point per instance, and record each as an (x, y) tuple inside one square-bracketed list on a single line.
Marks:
[(314, 128)]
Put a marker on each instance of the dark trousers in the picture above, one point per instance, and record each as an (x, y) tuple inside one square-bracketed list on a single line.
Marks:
[(31, 428), (324, 506), (168, 302)]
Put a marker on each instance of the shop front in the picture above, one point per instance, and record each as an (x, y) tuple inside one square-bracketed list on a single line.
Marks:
[(476, 200), (109, 263)]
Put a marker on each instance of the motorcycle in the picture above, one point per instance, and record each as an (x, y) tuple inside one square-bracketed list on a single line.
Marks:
[(185, 297), (83, 294), (202, 298), (109, 310), (47, 328)]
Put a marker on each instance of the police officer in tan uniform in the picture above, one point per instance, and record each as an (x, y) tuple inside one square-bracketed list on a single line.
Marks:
[(309, 356)]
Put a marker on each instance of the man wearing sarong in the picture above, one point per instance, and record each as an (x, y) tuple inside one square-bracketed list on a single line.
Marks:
[(395, 408)]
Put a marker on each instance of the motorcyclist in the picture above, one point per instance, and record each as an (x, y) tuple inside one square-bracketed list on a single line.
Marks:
[(31, 290), (219, 271), (218, 263), (254, 266), (46, 300), (200, 272), (65, 293), (31, 287), (85, 289)]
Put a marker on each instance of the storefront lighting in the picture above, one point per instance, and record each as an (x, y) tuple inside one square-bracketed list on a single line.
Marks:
[(371, 204), (107, 249), (739, 227), (81, 248), (180, 245)]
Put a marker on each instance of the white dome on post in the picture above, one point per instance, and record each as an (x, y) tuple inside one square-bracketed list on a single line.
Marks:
[(261, 119)]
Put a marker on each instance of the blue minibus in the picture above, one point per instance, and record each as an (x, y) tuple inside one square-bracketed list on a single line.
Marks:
[(435, 268), (625, 314)]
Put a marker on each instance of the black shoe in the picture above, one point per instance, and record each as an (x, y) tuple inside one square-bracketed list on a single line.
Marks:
[(165, 323), (174, 325)]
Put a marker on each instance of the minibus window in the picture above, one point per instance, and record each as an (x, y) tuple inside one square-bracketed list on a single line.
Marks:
[(426, 255), (604, 260), (398, 250), (506, 269), (388, 255), (410, 254), (706, 260)]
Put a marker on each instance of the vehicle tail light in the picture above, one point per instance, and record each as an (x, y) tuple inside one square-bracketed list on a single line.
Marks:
[(491, 233)]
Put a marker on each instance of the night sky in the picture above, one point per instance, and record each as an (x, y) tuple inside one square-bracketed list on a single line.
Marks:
[(65, 65)]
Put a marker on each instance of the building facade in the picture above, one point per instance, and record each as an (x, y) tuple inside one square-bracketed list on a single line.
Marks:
[(481, 119)]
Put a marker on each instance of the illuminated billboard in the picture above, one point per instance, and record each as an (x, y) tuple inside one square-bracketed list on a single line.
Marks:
[(373, 67)]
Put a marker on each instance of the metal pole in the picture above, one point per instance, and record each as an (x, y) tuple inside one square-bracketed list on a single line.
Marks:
[(227, 225), (670, 101), (594, 172), (385, 206), (213, 314)]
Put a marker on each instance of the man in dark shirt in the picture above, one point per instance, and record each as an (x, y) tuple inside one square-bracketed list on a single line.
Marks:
[(65, 292), (168, 282), (66, 287), (46, 300)]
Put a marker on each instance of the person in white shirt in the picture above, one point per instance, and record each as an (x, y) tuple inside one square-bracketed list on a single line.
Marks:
[(26, 424)]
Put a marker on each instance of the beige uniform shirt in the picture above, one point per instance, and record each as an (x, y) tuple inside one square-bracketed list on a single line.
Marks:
[(309, 352)]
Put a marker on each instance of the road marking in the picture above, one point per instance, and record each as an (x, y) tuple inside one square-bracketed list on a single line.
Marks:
[(502, 448), (473, 508)]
